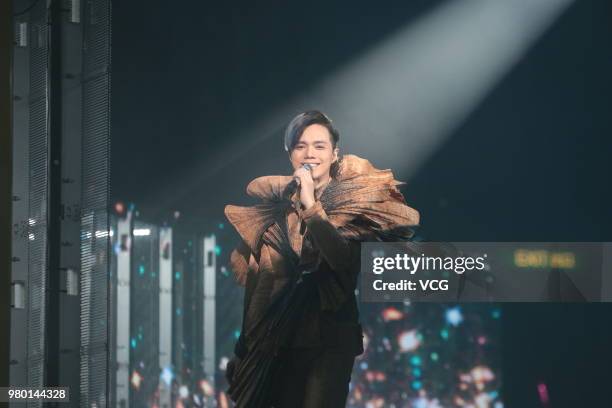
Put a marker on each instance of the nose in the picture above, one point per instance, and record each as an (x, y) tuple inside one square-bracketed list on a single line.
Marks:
[(310, 152)]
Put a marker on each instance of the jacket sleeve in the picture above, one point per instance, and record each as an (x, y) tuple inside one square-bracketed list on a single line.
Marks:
[(341, 254)]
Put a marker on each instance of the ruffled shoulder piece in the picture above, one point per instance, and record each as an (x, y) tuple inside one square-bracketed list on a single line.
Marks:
[(362, 202), (252, 222), (269, 188)]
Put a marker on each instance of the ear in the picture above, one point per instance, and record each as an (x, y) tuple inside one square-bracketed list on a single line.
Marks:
[(336, 153)]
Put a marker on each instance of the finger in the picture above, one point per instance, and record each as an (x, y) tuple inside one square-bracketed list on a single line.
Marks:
[(298, 177), (302, 172)]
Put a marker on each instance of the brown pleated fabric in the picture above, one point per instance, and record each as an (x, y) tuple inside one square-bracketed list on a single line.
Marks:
[(361, 202)]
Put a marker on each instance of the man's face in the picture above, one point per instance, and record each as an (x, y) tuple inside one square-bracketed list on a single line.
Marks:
[(314, 147)]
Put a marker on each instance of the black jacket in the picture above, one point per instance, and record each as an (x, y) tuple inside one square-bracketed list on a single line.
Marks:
[(331, 318)]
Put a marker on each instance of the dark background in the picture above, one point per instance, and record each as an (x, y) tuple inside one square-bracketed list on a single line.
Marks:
[(530, 164)]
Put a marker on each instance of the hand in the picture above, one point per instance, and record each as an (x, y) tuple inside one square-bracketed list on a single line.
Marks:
[(306, 183)]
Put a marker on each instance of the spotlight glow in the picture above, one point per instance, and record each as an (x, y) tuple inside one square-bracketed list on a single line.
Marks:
[(408, 341), (454, 316), (482, 374), (421, 83), (136, 380), (167, 375)]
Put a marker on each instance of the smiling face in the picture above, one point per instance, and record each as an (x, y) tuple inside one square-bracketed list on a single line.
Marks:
[(315, 147)]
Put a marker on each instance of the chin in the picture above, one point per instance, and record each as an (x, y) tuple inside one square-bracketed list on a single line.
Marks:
[(318, 173)]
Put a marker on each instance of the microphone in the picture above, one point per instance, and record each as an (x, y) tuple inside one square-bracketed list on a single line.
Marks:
[(295, 183)]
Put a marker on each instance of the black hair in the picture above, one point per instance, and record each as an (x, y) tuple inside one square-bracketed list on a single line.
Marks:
[(296, 127)]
